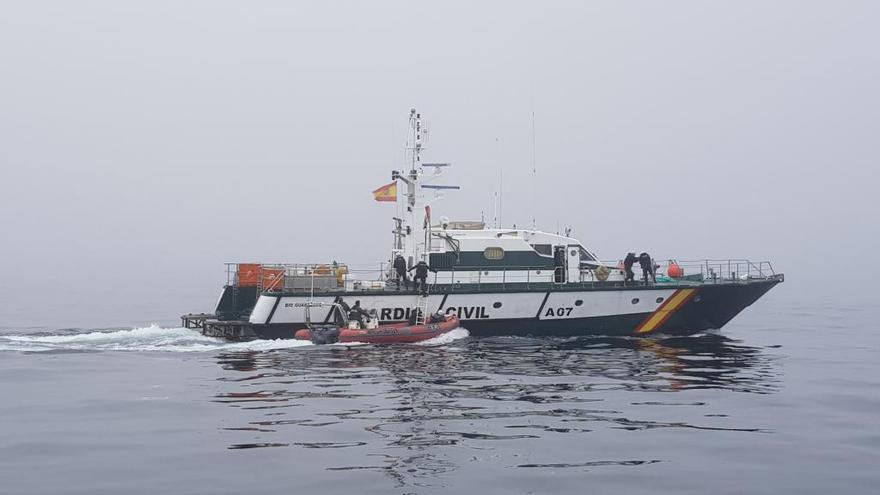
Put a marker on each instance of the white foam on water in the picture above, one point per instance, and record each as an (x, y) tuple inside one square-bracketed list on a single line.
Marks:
[(266, 345), (156, 338), (447, 338), (152, 338), (30, 348)]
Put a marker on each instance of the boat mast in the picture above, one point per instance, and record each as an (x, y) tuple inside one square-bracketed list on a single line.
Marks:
[(415, 225), (414, 220)]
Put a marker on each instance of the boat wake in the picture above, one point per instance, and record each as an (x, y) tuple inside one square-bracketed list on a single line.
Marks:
[(160, 339), (152, 338), (446, 338)]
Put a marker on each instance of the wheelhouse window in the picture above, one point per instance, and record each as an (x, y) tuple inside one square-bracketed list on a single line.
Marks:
[(586, 255), (493, 253), (543, 249)]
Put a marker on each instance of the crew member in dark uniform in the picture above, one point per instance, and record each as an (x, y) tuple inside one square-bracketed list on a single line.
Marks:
[(420, 281), (400, 269), (414, 316), (341, 310), (628, 263), (357, 313), (647, 265)]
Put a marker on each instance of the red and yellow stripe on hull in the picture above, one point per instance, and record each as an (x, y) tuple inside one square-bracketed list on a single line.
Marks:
[(656, 319)]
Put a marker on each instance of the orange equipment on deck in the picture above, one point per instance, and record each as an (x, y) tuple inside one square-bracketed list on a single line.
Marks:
[(675, 270), (273, 279), (256, 275), (249, 274)]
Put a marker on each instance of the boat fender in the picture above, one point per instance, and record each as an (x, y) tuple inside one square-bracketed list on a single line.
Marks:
[(602, 273), (328, 334)]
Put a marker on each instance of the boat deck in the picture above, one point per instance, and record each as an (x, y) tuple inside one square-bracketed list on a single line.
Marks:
[(477, 287), (237, 301)]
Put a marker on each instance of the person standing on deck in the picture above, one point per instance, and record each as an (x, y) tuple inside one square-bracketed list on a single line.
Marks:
[(420, 281), (628, 263), (647, 265), (400, 269)]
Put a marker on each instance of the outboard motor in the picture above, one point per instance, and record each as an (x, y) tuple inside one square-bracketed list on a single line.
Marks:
[(325, 334)]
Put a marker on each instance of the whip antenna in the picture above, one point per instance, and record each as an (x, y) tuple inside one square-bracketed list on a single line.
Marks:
[(534, 173)]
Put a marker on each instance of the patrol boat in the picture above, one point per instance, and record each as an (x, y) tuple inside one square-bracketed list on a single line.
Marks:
[(497, 281)]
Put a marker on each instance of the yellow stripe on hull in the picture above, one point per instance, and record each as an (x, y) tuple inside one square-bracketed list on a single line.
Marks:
[(665, 311)]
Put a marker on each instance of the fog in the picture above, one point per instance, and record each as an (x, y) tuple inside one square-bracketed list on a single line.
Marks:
[(143, 144)]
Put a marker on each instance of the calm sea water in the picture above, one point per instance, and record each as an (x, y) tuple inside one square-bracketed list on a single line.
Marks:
[(784, 400)]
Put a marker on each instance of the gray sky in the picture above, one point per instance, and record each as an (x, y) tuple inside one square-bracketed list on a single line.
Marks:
[(142, 144)]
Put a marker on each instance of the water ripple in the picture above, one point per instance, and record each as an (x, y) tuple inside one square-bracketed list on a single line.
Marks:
[(418, 409)]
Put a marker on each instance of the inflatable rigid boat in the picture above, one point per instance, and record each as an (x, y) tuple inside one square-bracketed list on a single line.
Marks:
[(398, 333)]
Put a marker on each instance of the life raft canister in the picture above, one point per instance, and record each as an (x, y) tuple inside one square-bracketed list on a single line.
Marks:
[(675, 270)]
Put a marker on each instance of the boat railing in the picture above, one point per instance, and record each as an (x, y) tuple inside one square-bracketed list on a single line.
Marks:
[(720, 270), (706, 271), (276, 277), (322, 277)]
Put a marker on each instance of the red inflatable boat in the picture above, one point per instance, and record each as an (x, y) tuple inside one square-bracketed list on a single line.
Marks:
[(396, 333)]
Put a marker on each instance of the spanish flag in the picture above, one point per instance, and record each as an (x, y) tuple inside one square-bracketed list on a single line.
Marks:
[(387, 192)]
